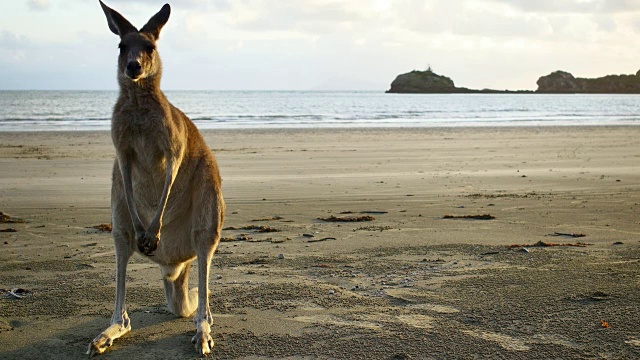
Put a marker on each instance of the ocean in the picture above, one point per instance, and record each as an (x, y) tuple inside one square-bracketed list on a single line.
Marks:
[(91, 110)]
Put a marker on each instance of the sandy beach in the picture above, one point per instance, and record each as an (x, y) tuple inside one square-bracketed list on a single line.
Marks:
[(406, 284)]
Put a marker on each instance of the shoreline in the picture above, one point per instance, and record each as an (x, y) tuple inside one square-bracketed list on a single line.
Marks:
[(355, 128)]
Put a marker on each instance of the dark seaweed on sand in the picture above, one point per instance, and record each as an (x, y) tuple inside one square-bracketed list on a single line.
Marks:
[(472, 217), (348, 218)]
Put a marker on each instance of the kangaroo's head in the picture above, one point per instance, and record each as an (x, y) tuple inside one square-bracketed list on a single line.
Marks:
[(138, 57)]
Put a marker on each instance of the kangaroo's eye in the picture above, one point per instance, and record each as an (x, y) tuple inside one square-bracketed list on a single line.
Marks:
[(150, 48)]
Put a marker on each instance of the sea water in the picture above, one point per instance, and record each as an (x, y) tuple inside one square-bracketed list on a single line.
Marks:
[(91, 110)]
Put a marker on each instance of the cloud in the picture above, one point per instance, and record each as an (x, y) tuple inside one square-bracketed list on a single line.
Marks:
[(38, 5), (469, 19), (574, 6), (292, 44), (13, 48), (8, 40), (396, 21), (217, 5), (292, 15)]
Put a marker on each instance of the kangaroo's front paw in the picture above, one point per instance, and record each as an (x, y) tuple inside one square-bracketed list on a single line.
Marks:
[(148, 242), (203, 342)]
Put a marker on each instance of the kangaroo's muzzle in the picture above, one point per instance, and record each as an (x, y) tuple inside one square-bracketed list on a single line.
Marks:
[(133, 70)]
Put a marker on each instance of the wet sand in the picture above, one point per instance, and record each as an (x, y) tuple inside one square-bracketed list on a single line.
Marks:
[(408, 284)]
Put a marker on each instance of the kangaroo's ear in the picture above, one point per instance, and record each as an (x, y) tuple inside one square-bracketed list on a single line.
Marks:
[(117, 23), (157, 21)]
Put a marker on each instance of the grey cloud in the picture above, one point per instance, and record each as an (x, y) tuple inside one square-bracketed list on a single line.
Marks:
[(216, 5), (38, 5), (301, 16), (449, 17), (605, 23), (574, 6), (11, 41)]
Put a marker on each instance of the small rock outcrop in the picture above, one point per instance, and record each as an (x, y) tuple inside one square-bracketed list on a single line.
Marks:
[(422, 82), (562, 82)]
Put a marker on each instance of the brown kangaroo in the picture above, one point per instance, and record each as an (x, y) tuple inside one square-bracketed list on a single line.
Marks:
[(166, 199)]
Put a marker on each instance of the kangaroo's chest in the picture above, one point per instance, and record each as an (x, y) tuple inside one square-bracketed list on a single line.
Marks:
[(148, 155), (143, 146), (140, 132)]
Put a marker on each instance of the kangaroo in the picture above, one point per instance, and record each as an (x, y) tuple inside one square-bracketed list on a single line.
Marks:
[(166, 200)]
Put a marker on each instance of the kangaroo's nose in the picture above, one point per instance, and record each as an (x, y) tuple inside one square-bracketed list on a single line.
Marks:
[(133, 66), (134, 69)]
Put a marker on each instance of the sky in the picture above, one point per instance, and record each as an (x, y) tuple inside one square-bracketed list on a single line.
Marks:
[(322, 44)]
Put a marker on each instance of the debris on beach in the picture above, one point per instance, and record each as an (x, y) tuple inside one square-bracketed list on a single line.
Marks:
[(598, 296), (260, 229), (604, 324), (103, 227), (472, 217), (503, 195), (258, 261), (323, 239), (590, 298), (247, 238), (8, 230), (373, 228), (274, 218), (374, 212), (575, 235), (546, 244), (18, 293), (348, 218), (6, 219), (228, 239), (241, 237), (490, 253)]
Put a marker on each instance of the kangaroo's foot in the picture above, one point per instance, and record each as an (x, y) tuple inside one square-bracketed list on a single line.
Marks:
[(202, 339), (106, 338), (148, 242)]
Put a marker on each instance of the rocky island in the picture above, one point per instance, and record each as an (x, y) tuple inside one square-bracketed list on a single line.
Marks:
[(422, 82), (561, 82), (558, 82)]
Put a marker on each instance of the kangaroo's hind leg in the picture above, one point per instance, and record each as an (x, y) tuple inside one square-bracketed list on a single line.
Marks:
[(120, 323), (180, 300), (206, 243)]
